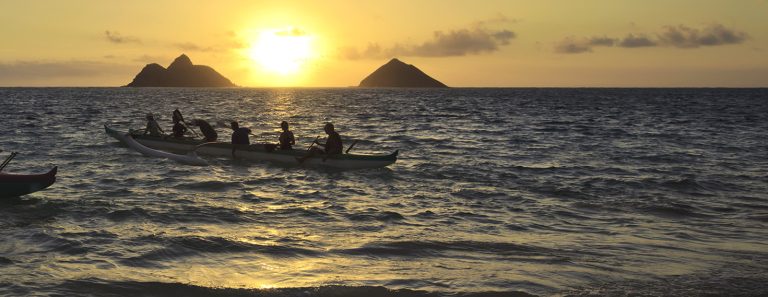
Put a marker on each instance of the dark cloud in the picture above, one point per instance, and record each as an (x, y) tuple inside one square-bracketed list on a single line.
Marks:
[(443, 44), (572, 46), (640, 40), (602, 41), (116, 37), (460, 43), (189, 46), (504, 36), (677, 36), (685, 37)]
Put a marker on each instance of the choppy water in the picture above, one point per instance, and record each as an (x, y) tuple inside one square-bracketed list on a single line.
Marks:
[(541, 191)]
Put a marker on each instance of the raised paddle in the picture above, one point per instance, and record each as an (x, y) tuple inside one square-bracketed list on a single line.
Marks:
[(8, 160), (350, 147)]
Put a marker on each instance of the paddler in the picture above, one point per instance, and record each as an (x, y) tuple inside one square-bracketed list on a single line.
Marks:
[(178, 128), (239, 136), (153, 128), (286, 137), (208, 131), (332, 145), (178, 118)]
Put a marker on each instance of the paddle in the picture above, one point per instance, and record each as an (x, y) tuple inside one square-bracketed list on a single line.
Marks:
[(190, 129), (313, 143), (8, 160), (309, 152), (350, 147)]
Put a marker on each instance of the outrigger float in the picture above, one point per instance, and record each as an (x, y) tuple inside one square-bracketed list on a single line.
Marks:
[(256, 152)]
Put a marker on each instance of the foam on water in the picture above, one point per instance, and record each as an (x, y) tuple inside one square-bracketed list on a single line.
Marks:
[(497, 192)]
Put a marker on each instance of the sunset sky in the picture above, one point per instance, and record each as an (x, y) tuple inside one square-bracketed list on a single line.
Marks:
[(485, 43)]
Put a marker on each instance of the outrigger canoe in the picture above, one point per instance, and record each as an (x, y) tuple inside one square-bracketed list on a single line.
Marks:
[(190, 158), (258, 152), (14, 185)]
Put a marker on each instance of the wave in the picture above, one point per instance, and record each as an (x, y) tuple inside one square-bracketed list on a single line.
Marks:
[(100, 287), (208, 186), (175, 248), (375, 215), (672, 211), (439, 248)]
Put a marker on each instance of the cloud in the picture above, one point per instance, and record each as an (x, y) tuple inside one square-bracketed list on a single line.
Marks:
[(51, 73), (189, 46), (602, 41), (476, 40), (571, 45), (116, 37), (459, 43), (682, 36), (640, 40)]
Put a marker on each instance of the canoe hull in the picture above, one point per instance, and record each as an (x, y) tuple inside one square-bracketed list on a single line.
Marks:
[(127, 139), (14, 185), (260, 152)]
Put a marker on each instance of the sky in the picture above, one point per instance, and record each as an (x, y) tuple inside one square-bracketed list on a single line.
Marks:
[(333, 43)]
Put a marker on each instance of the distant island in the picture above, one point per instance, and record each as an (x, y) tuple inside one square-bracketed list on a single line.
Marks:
[(181, 73), (396, 74)]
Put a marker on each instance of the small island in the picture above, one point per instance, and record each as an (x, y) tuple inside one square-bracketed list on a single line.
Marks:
[(181, 73), (396, 74)]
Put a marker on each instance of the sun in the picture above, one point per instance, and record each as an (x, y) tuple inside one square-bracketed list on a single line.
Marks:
[(282, 51)]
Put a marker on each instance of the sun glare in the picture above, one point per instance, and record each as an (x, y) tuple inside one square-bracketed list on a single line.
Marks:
[(282, 51)]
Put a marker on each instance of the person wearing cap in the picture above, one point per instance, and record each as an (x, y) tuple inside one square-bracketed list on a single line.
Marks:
[(153, 128)]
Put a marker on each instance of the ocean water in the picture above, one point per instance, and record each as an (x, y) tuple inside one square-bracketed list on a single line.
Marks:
[(497, 192)]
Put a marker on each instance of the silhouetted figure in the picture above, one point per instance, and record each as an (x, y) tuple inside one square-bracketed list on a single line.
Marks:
[(286, 137), (332, 145), (239, 136), (177, 116), (178, 128), (153, 128), (208, 131)]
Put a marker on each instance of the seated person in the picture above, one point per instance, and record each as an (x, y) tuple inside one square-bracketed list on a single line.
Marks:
[(153, 128), (208, 131), (286, 137), (239, 136), (178, 128), (332, 145)]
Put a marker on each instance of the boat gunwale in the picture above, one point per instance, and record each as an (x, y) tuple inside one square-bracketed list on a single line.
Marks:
[(254, 148)]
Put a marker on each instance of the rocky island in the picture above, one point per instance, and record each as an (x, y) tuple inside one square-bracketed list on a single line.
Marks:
[(181, 73), (396, 74)]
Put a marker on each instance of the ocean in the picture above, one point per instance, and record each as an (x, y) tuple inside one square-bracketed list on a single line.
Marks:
[(496, 192)]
